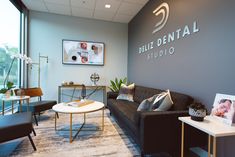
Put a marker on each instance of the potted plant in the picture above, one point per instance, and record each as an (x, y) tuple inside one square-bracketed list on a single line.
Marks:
[(7, 89), (8, 85), (197, 111), (116, 84)]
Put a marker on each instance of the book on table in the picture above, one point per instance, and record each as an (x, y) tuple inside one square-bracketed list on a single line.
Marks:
[(79, 103)]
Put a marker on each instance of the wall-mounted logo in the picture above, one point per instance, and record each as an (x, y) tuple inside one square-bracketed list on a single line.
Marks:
[(161, 45), (164, 10)]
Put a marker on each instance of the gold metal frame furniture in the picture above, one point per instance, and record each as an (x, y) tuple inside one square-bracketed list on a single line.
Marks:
[(79, 87), (64, 108), (211, 126), (36, 107), (20, 99)]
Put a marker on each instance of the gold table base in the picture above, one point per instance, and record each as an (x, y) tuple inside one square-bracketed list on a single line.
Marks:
[(71, 138), (209, 143)]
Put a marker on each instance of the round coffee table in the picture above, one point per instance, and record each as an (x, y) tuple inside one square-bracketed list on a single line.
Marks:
[(83, 109)]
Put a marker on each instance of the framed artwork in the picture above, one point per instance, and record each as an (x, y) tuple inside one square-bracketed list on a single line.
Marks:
[(82, 52), (224, 108)]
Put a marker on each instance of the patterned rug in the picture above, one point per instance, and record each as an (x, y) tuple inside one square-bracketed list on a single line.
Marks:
[(110, 142)]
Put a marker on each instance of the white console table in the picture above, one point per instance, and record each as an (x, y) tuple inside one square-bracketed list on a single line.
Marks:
[(210, 126)]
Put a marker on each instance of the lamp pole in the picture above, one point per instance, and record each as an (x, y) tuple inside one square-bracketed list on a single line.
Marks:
[(39, 66)]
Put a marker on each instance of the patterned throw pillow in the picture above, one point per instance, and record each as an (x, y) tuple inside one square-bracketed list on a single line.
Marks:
[(158, 102), (126, 92), (163, 103), (147, 104)]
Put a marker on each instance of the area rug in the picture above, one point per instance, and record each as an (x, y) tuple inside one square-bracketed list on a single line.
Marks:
[(111, 142)]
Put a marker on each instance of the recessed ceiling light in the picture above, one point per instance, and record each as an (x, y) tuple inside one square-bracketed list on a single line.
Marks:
[(107, 6)]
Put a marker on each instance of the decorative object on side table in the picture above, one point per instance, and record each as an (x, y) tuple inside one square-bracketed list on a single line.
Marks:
[(94, 78), (64, 83), (197, 111), (224, 108)]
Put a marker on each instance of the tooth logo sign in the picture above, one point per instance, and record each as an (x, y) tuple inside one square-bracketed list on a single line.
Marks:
[(164, 10)]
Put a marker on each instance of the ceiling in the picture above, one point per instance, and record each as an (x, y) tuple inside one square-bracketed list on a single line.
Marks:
[(121, 10)]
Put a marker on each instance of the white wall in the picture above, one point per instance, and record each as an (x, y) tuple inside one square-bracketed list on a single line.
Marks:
[(46, 32)]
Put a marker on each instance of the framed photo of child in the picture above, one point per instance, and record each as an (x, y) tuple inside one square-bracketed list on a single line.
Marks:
[(224, 108)]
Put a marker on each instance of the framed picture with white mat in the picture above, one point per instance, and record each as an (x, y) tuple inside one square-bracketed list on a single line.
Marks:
[(224, 108)]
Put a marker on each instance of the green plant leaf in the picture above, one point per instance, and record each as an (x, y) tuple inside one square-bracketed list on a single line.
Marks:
[(10, 85), (114, 86), (111, 89), (125, 80), (116, 82), (3, 90), (119, 84)]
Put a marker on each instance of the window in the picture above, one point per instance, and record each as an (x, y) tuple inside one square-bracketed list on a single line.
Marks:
[(12, 29), (9, 40)]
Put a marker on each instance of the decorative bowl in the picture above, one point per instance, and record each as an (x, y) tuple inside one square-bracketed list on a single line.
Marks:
[(197, 114)]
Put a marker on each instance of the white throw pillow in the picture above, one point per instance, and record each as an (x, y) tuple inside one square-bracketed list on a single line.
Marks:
[(126, 92), (164, 102)]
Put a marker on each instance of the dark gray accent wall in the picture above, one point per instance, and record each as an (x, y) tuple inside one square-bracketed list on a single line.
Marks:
[(202, 63)]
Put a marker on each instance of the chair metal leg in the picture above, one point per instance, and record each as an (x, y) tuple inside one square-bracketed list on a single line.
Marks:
[(35, 118), (34, 132), (39, 113), (32, 143)]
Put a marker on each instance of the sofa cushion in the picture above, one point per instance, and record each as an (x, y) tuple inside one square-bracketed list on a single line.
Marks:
[(126, 109), (126, 92), (39, 106), (181, 101), (142, 93)]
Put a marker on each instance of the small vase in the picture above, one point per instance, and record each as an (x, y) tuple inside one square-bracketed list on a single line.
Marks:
[(8, 94), (197, 114)]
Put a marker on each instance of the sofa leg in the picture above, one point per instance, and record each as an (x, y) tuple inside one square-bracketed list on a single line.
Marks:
[(34, 133), (31, 141), (142, 154), (35, 118)]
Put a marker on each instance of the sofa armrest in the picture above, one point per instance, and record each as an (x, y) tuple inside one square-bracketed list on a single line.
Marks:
[(161, 131), (112, 95)]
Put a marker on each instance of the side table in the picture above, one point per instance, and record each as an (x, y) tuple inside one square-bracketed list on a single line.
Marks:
[(210, 126), (13, 99)]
